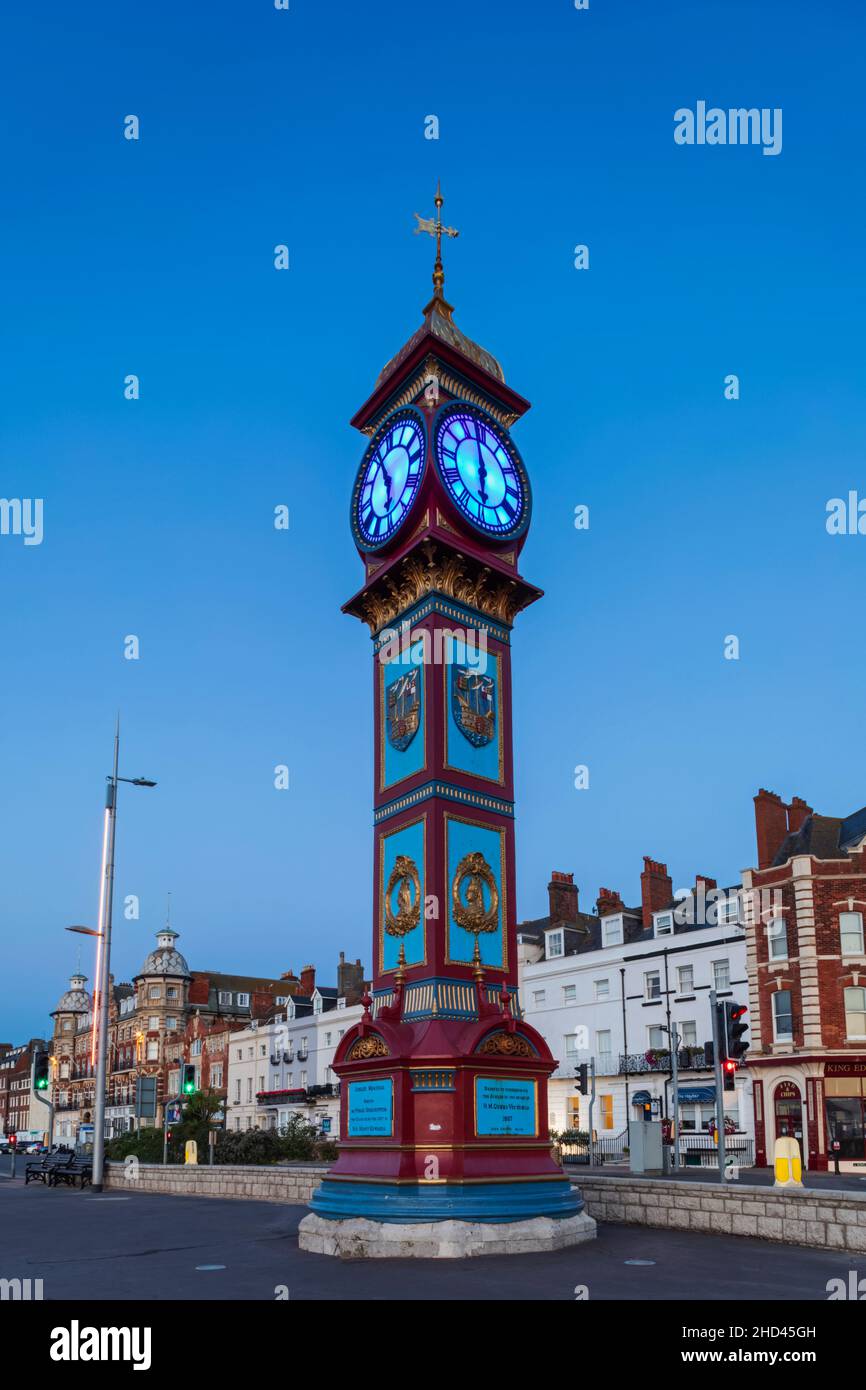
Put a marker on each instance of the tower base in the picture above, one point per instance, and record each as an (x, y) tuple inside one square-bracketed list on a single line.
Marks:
[(360, 1238)]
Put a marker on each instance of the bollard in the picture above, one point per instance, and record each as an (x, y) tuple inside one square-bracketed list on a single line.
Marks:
[(787, 1164), (190, 1152)]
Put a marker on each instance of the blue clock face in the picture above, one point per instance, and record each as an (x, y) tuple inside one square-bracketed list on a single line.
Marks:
[(388, 480), (483, 472)]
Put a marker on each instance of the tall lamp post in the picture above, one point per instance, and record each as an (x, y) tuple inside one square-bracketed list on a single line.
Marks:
[(106, 900)]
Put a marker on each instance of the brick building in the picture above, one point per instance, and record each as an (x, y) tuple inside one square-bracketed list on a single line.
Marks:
[(20, 1111), (168, 1015), (806, 961)]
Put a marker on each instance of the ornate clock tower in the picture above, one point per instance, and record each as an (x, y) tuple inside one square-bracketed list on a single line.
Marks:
[(443, 1085)]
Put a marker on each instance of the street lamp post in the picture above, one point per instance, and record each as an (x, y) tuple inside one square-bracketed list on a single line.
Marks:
[(103, 972)]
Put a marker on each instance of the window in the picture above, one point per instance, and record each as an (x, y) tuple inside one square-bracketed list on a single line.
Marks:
[(249, 1088), (216, 1075), (153, 992), (777, 939), (261, 1081), (611, 931), (304, 1080), (240, 1053), (688, 1031), (327, 1040), (171, 992), (721, 974), (729, 910), (195, 1047), (281, 999), (243, 1001), (606, 1112), (685, 979), (538, 997), (554, 943), (573, 1116), (603, 1048), (783, 1030), (855, 1013), (851, 932), (652, 985), (656, 1037), (262, 1049), (171, 1023), (153, 1023), (664, 924), (602, 989), (152, 1051), (225, 996), (569, 994)]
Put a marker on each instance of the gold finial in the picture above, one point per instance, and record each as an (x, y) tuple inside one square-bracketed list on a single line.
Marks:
[(400, 972), (435, 227), (478, 967)]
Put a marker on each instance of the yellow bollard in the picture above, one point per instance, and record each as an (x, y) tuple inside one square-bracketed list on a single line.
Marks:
[(787, 1164), (191, 1152)]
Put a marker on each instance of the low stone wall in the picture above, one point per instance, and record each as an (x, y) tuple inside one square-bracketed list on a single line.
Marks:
[(824, 1219), (819, 1218), (289, 1182)]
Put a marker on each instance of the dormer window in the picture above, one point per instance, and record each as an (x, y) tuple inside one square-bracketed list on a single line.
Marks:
[(664, 923), (243, 1001), (225, 996), (729, 910), (611, 931), (554, 942)]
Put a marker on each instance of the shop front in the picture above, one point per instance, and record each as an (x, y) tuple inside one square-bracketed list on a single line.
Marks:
[(820, 1102)]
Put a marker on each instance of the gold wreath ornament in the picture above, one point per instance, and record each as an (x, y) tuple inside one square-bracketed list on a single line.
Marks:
[(471, 914), (408, 914)]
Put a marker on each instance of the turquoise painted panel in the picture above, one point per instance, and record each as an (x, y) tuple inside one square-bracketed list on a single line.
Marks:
[(402, 711), (408, 1202), (473, 702), (504, 1105), (408, 841), (371, 1108), (464, 838)]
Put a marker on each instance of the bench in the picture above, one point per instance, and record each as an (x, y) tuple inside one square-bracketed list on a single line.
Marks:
[(43, 1170), (69, 1173)]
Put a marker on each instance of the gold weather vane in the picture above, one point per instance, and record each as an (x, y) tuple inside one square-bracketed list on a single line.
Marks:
[(435, 227)]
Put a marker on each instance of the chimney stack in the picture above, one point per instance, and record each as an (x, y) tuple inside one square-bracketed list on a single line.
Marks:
[(707, 882), (350, 980), (308, 980), (656, 888), (774, 821), (562, 896), (608, 902)]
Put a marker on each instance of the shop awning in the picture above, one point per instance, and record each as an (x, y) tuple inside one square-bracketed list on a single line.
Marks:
[(641, 1098), (696, 1095)]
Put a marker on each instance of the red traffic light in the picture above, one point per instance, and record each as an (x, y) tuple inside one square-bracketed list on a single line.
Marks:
[(729, 1065)]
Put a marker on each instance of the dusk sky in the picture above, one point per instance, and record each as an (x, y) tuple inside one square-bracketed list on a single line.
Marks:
[(155, 257)]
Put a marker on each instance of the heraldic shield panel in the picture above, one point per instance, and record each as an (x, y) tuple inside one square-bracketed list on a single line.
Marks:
[(473, 713), (401, 716), (401, 895), (475, 876)]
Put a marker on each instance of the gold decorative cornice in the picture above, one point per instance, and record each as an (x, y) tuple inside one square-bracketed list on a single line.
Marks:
[(413, 393), (506, 1045), (364, 1048), (434, 568)]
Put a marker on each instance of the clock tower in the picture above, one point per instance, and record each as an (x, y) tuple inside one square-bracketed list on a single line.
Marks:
[(443, 1085)]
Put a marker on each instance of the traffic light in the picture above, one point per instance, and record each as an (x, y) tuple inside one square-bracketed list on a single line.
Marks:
[(582, 1075), (41, 1071), (188, 1086), (729, 1075), (735, 1027)]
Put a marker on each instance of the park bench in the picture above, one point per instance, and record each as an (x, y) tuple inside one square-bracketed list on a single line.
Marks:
[(45, 1168), (69, 1173)]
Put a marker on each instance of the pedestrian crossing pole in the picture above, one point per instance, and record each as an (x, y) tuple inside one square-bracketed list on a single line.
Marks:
[(718, 1043)]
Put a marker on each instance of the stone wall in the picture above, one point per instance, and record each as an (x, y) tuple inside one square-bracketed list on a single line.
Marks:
[(820, 1218), (289, 1182)]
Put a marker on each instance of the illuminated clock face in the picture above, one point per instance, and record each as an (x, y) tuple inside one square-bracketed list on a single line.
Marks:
[(483, 472), (388, 480)]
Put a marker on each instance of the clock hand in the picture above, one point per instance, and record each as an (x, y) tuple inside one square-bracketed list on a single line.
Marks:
[(387, 476), (482, 475)]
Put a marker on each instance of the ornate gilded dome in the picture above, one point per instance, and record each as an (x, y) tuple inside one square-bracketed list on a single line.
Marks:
[(166, 959), (76, 1000)]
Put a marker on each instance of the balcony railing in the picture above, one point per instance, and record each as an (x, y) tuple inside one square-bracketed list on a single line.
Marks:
[(656, 1060), (298, 1095)]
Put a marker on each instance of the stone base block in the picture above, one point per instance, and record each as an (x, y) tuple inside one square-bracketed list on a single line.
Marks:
[(358, 1238)]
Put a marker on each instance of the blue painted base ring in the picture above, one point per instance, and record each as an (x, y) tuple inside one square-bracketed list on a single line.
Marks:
[(405, 1203)]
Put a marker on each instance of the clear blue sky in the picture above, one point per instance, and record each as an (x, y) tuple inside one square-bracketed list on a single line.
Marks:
[(707, 516)]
